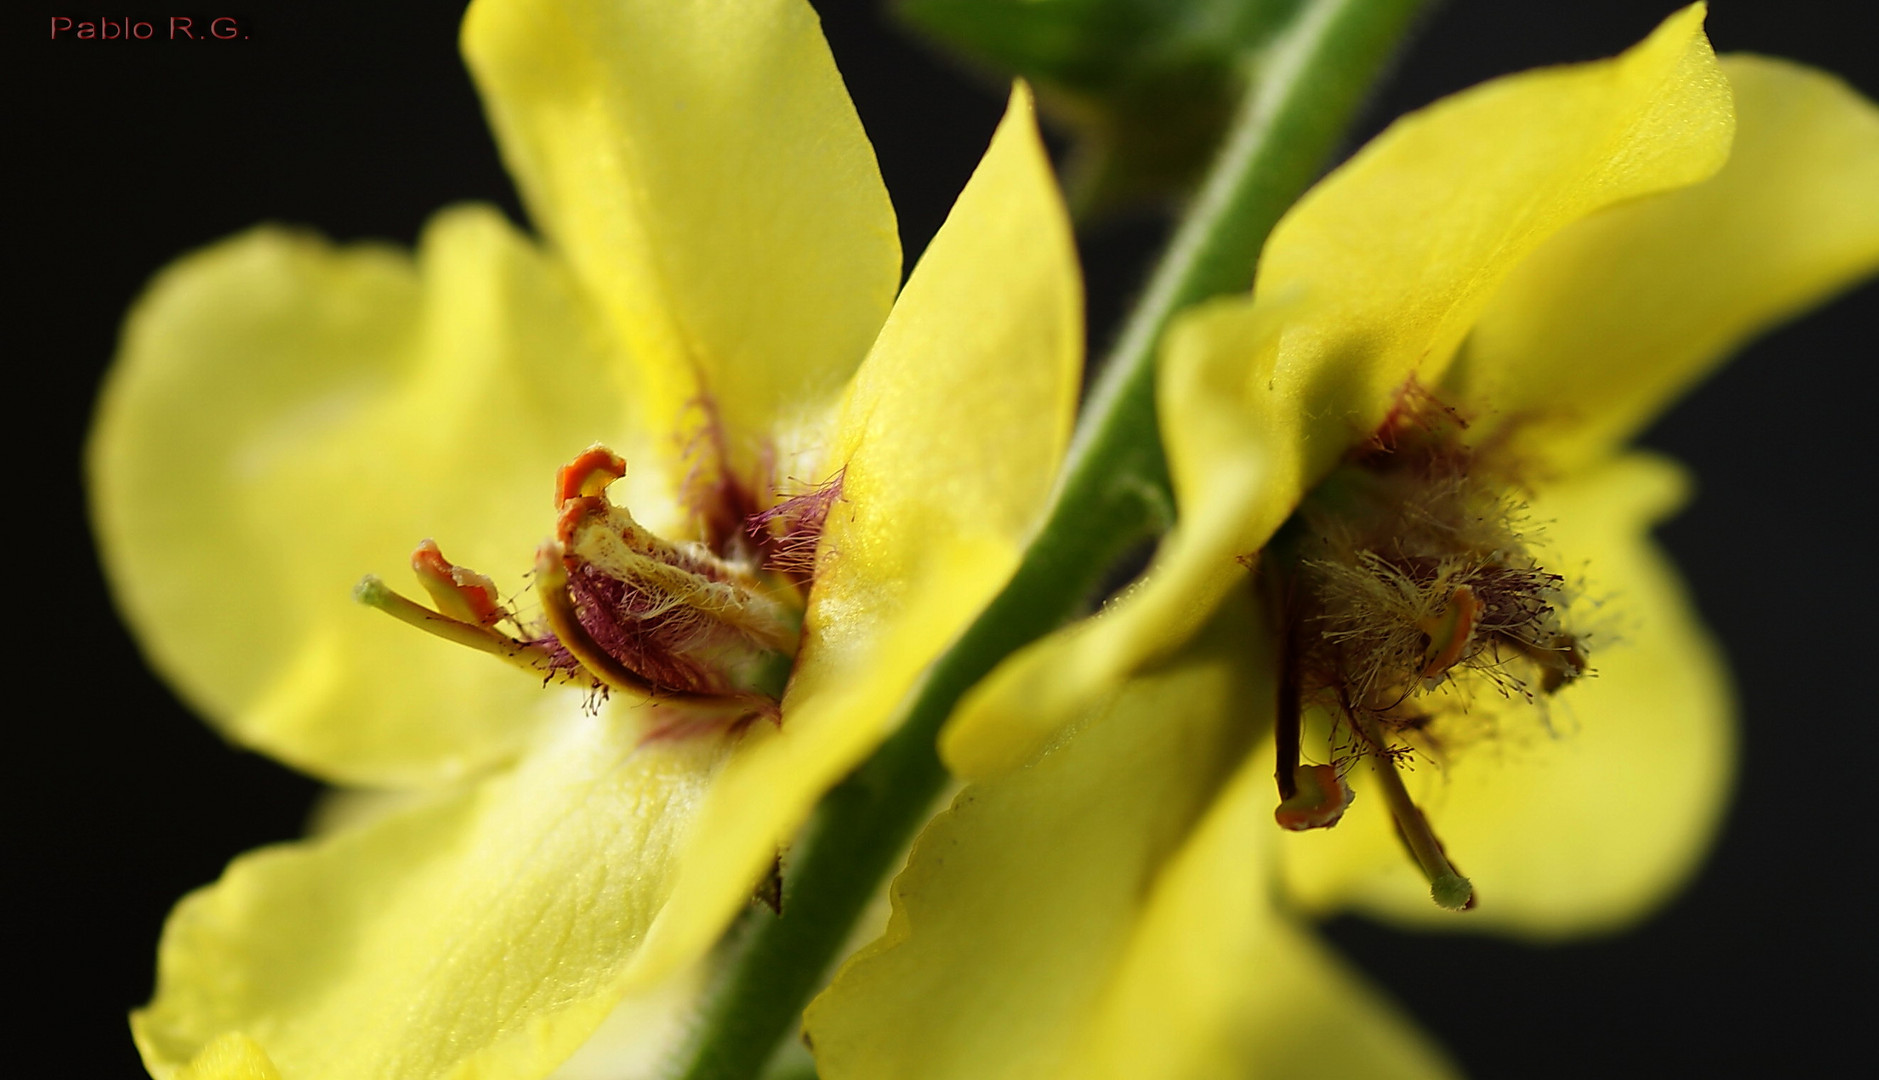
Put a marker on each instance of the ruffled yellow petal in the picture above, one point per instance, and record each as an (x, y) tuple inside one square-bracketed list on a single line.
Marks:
[(702, 168), (1099, 914), (1372, 279), (1592, 335), (1588, 825), (285, 417), (485, 933), (951, 436)]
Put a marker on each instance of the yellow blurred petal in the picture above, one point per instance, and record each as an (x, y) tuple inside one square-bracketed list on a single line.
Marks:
[(1217, 984), (951, 435), (1234, 471), (486, 933), (1391, 259), (1018, 902), (1588, 827), (285, 416), (1373, 278), (231, 1056), (1593, 334), (702, 168), (1098, 913), (646, 1031)]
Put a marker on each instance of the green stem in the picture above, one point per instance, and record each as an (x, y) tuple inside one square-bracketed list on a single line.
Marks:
[(1309, 82), (1115, 493)]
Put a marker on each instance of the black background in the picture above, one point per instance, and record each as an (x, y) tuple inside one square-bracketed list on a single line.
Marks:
[(362, 122)]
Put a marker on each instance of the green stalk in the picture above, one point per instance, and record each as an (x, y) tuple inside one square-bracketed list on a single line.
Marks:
[(1114, 493)]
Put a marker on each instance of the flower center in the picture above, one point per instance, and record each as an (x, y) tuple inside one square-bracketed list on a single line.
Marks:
[(626, 610), (634, 607), (1405, 574)]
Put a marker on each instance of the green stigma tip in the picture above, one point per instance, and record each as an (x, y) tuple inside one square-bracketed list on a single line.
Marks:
[(1453, 892), (370, 591)]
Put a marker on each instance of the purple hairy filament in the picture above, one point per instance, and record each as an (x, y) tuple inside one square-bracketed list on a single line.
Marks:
[(679, 617)]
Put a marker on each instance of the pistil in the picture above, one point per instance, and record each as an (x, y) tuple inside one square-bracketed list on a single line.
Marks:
[(535, 657), (1448, 888)]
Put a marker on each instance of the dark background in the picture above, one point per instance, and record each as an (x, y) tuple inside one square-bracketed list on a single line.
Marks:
[(362, 122)]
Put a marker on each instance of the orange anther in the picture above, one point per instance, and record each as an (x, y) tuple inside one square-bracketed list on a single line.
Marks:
[(1451, 632), (576, 510), (589, 474), (460, 593), (1321, 799)]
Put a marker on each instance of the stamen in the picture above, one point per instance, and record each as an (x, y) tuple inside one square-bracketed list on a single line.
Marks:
[(551, 585), (704, 635), (1320, 797), (1310, 796), (1287, 725), (789, 531), (1449, 635), (1448, 888), (1560, 662), (532, 657), (1411, 568), (459, 592), (588, 474), (676, 615)]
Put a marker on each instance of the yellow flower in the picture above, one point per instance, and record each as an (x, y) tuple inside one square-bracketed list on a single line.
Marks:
[(710, 295), (1552, 256)]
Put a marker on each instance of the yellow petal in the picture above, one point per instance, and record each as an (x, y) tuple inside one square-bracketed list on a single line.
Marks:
[(1090, 915), (953, 430), (702, 168), (1372, 279), (230, 1056), (1018, 901), (485, 933), (284, 417), (1393, 257), (646, 1030), (1589, 825), (1217, 983), (951, 436), (1230, 477), (1592, 336)]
